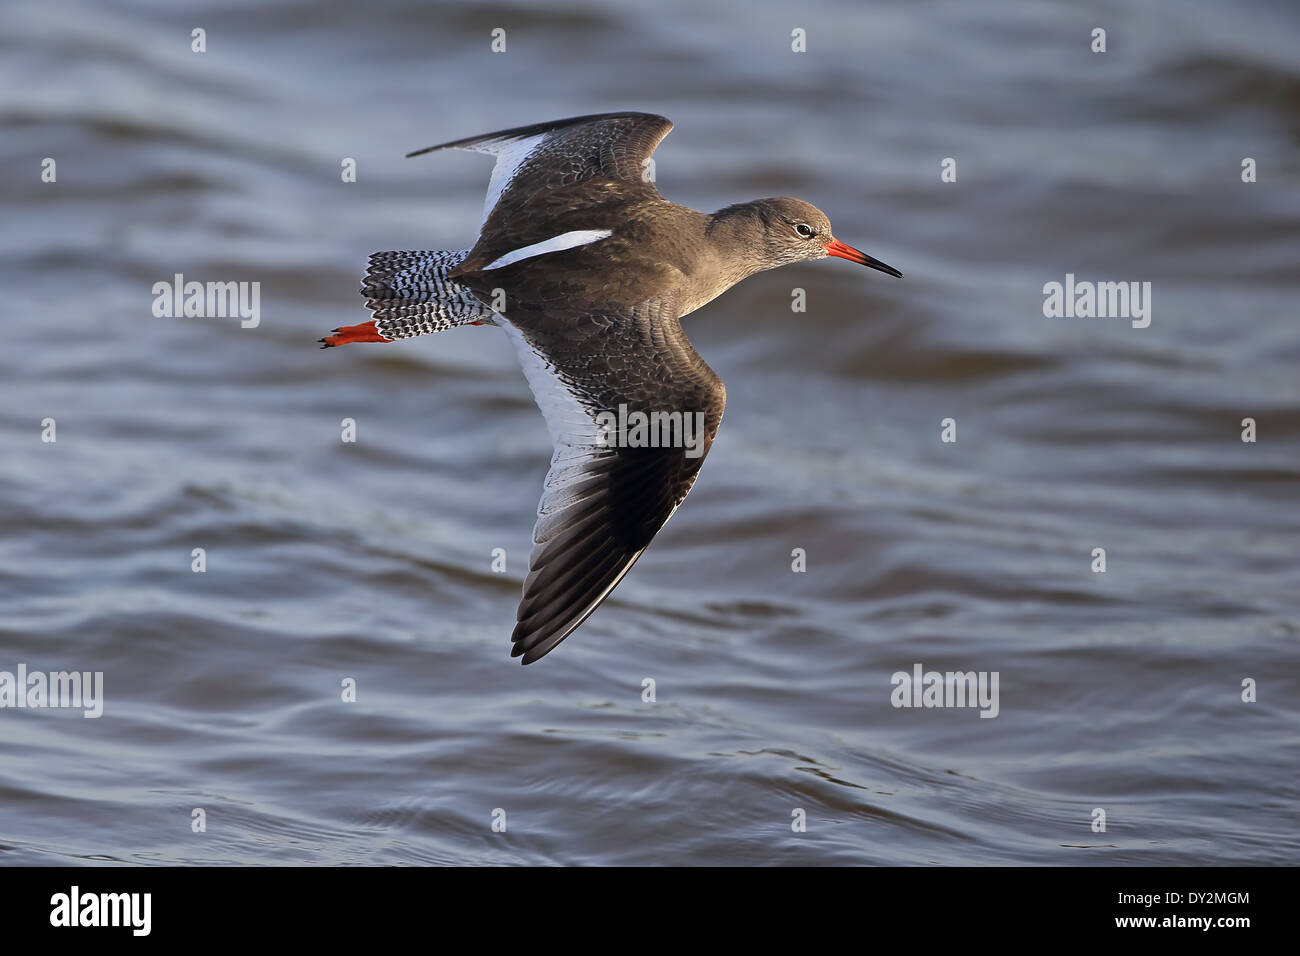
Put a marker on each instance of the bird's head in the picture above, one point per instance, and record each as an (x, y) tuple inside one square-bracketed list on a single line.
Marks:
[(792, 230)]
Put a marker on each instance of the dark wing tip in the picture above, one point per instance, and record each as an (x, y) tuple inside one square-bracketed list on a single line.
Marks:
[(537, 128), (556, 605)]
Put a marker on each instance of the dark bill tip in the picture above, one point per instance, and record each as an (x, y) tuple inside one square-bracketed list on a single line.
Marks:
[(843, 251)]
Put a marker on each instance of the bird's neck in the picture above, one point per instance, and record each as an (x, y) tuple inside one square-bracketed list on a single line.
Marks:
[(734, 237)]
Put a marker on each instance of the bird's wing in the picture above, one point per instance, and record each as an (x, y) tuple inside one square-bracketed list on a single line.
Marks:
[(532, 160), (603, 502)]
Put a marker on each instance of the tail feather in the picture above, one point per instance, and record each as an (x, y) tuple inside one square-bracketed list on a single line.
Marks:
[(409, 294)]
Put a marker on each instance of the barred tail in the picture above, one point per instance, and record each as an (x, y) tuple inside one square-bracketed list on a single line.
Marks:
[(409, 294)]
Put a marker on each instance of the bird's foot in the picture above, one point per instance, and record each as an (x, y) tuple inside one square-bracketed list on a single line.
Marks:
[(365, 332)]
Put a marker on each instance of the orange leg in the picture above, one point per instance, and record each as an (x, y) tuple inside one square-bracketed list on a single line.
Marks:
[(365, 332)]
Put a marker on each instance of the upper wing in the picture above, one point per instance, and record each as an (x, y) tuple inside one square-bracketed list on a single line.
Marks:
[(545, 156), (603, 500)]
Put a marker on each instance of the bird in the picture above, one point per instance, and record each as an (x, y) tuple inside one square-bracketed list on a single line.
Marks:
[(588, 269)]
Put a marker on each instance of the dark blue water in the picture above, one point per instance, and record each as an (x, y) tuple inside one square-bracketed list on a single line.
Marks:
[(327, 560)]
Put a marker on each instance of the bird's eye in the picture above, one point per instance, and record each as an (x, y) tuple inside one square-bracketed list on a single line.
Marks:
[(805, 231)]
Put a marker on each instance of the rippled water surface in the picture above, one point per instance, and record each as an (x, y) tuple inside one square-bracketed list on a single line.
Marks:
[(327, 560)]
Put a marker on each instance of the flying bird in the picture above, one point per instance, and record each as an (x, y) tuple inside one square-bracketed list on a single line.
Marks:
[(588, 269)]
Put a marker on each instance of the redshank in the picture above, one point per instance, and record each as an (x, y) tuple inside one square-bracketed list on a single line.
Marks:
[(588, 269)]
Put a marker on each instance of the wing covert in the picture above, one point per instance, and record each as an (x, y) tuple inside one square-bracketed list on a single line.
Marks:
[(534, 159)]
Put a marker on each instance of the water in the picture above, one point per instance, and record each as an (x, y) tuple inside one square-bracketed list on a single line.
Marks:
[(371, 561)]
